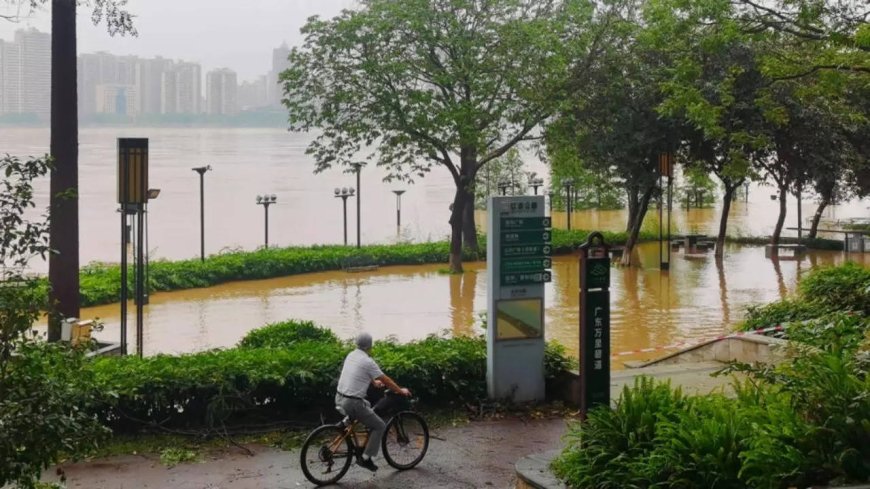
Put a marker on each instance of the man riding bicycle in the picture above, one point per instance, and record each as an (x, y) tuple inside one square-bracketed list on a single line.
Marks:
[(358, 373)]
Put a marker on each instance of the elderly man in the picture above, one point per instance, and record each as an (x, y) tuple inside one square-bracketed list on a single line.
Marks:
[(360, 371)]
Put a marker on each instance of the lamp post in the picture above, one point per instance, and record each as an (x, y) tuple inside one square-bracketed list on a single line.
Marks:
[(535, 182), (503, 186), (146, 297), (398, 210), (201, 170), (344, 193), (550, 196), (266, 200), (358, 169), (568, 183)]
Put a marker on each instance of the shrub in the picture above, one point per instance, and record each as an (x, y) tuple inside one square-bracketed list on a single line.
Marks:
[(780, 312), (846, 287), (286, 334), (288, 377)]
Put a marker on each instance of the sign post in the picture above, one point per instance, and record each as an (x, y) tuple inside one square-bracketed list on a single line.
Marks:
[(666, 169), (594, 323), (518, 266)]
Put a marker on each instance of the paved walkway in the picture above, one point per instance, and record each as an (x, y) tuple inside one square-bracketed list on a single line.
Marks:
[(477, 455)]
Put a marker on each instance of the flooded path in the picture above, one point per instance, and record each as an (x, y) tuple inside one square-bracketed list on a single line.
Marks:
[(696, 300)]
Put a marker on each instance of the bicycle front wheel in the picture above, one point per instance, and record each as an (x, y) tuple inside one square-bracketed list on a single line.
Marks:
[(326, 455), (405, 441)]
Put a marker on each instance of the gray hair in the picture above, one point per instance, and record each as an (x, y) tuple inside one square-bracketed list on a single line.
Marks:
[(363, 341)]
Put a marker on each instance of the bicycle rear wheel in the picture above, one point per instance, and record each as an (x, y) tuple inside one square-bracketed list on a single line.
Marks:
[(406, 440), (326, 455)]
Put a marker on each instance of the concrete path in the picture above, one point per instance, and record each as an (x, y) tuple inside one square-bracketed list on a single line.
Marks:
[(477, 455)]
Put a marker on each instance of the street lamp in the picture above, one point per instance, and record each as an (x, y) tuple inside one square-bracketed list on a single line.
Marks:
[(503, 186), (535, 182), (344, 193), (201, 170), (153, 193), (568, 183), (358, 169), (266, 200), (398, 210)]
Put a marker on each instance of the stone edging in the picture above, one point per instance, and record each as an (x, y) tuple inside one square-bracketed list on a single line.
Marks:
[(533, 472)]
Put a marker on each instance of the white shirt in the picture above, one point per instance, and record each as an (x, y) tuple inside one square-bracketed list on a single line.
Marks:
[(357, 373)]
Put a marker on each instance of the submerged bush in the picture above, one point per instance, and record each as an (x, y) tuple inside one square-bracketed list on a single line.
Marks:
[(287, 333)]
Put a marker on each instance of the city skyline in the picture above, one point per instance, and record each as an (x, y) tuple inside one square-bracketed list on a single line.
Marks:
[(130, 85), (224, 34)]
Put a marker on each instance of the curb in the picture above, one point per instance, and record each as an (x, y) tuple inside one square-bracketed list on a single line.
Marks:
[(533, 472)]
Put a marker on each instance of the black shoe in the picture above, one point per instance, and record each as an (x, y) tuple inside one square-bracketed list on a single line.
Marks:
[(367, 464)]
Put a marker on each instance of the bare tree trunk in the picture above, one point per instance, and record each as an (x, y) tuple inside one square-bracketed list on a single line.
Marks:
[(636, 224), (723, 219), (63, 263), (777, 231), (632, 207), (469, 227), (456, 216), (814, 226)]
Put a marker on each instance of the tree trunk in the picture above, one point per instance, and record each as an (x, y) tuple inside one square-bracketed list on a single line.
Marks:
[(632, 207), (777, 231), (456, 222), (63, 263), (723, 219), (461, 203), (636, 224), (469, 227), (814, 227)]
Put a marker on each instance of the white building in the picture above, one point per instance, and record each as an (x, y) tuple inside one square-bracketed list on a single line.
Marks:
[(25, 74), (222, 92)]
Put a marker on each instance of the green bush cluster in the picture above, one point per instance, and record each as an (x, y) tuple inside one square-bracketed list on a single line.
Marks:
[(823, 291), (283, 372), (100, 282), (806, 422)]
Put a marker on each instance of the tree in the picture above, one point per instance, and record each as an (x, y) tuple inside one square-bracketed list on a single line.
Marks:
[(507, 169), (424, 83), (44, 392), (63, 263), (612, 122)]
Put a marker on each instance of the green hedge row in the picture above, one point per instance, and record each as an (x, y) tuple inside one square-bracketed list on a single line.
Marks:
[(286, 371), (100, 283)]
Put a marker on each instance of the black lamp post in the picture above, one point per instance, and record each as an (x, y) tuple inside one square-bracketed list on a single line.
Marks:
[(358, 169), (146, 297), (344, 193), (201, 170), (535, 182), (266, 200), (568, 183), (398, 210)]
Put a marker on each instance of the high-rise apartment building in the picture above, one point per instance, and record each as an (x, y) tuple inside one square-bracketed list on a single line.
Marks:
[(151, 83), (279, 64), (25, 74), (182, 89), (222, 92), (253, 94)]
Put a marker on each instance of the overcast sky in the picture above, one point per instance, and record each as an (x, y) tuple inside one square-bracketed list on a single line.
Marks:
[(237, 34)]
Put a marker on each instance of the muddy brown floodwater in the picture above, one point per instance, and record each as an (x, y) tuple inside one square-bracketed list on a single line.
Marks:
[(696, 300)]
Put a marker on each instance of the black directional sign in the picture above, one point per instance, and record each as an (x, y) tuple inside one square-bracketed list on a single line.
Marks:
[(540, 250), (512, 265), (524, 223), (509, 279)]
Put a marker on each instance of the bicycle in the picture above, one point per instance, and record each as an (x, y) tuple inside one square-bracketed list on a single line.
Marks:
[(329, 449)]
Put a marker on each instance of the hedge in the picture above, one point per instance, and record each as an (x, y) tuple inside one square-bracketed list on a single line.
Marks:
[(292, 378), (100, 282)]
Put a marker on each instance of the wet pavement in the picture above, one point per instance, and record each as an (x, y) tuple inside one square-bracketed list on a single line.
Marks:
[(476, 455)]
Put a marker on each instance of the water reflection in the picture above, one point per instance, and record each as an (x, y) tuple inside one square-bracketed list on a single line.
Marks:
[(697, 298)]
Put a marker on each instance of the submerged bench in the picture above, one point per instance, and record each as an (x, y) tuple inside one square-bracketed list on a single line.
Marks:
[(773, 250)]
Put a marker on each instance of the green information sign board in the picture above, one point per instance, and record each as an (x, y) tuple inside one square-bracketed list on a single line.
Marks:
[(538, 250), (595, 348), (511, 279), (525, 223)]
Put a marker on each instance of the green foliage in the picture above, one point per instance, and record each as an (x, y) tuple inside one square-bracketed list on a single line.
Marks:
[(505, 170), (100, 281), (286, 334), (173, 456), (823, 291), (282, 371), (845, 287)]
